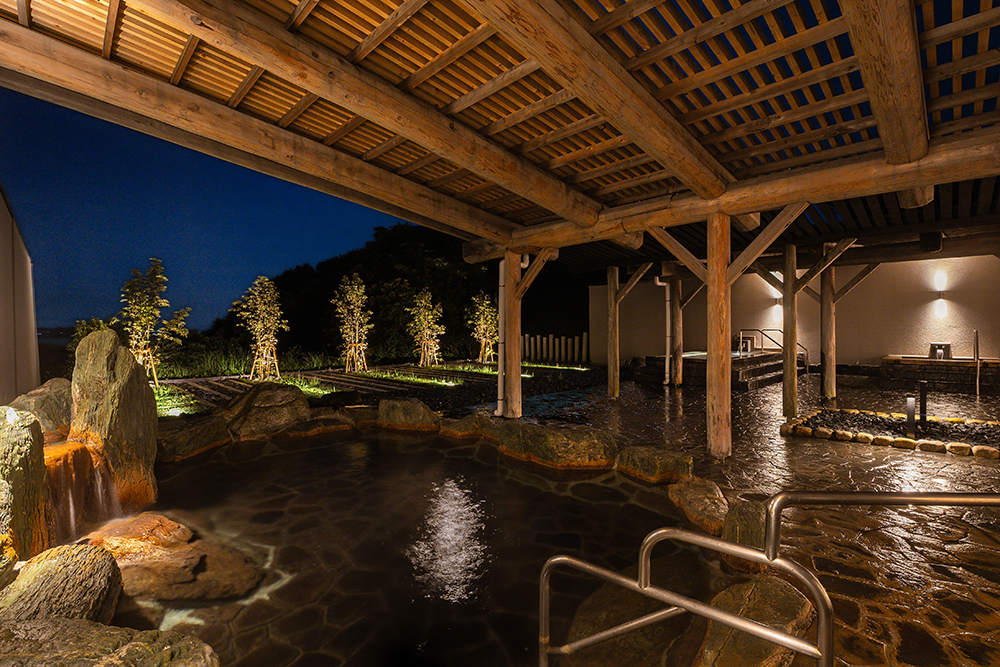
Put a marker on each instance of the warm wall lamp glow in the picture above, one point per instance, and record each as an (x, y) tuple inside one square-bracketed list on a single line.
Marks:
[(940, 308), (940, 282)]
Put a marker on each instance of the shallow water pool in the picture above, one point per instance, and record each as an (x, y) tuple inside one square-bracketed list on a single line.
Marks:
[(391, 549)]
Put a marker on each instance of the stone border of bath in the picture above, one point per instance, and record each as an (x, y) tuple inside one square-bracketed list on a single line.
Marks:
[(796, 427)]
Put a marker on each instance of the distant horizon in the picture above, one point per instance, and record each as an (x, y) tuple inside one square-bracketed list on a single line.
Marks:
[(94, 200)]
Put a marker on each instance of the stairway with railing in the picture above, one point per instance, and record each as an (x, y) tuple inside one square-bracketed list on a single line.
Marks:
[(822, 650)]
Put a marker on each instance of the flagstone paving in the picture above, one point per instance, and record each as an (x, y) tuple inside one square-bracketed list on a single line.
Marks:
[(911, 586)]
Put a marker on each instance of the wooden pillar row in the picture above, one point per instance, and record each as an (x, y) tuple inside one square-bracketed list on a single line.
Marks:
[(789, 344), (718, 404), (614, 363)]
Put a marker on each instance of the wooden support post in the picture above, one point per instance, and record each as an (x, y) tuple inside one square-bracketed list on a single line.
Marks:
[(512, 334), (789, 344), (828, 332), (718, 378), (614, 381), (676, 334)]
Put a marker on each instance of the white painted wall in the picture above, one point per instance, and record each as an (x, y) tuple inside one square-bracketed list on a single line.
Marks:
[(18, 338), (895, 310)]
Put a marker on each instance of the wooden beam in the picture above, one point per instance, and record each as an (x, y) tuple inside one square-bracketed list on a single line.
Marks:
[(633, 281), (464, 44), (789, 338), (974, 245), (24, 13), (397, 18), (718, 370), (528, 112), (354, 123), (973, 155), (183, 61), (916, 197), (383, 147), (884, 37), (43, 58), (854, 282), (746, 222), (626, 12), (495, 84), (690, 297), (683, 255), (300, 14), (113, 114), (614, 361), (629, 241), (241, 90), (300, 107), (774, 281), (512, 336), (546, 255), (828, 258), (110, 27), (764, 240), (242, 31), (558, 42), (813, 294)]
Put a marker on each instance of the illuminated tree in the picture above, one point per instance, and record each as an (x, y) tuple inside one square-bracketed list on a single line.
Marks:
[(141, 317), (349, 303), (260, 314), (425, 329), (482, 317)]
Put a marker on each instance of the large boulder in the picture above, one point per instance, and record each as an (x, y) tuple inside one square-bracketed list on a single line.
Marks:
[(74, 490), (52, 404), (160, 560), (767, 600), (264, 409), (24, 507), (702, 503), (184, 437), (71, 581), (654, 464), (612, 605), (8, 555), (114, 411), (568, 447), (65, 642), (407, 414)]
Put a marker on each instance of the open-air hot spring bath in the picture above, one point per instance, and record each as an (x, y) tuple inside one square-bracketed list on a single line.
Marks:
[(386, 549)]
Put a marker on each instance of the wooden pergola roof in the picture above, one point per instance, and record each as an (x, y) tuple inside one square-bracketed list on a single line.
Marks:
[(574, 124)]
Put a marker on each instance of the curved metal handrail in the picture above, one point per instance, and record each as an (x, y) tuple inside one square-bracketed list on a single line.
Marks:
[(781, 346)]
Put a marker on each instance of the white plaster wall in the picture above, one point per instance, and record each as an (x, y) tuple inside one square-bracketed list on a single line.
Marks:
[(893, 311), (18, 338)]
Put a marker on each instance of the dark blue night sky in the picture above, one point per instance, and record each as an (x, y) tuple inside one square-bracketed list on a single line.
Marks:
[(93, 200)]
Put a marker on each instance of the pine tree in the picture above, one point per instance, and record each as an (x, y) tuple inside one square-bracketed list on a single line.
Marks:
[(425, 328), (259, 313), (349, 303), (141, 316), (483, 318)]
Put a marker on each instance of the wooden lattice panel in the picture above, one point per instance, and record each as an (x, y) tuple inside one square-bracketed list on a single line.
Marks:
[(271, 98), (214, 73), (148, 44), (320, 119), (75, 21)]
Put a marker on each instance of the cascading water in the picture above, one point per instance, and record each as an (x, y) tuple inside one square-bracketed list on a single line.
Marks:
[(80, 488)]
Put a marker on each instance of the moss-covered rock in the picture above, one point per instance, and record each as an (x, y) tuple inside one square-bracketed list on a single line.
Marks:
[(407, 414), (654, 464), (264, 409), (744, 525), (567, 447), (24, 502), (181, 438), (702, 503), (52, 405)]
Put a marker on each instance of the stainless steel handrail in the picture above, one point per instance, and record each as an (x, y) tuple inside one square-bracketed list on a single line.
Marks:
[(822, 650), (781, 346), (778, 502)]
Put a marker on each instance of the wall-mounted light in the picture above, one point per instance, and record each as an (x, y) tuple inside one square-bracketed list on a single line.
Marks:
[(940, 282)]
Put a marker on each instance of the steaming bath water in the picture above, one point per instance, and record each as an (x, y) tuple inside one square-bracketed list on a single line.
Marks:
[(396, 549)]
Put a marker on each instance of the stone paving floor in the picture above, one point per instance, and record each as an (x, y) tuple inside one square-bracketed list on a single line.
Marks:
[(363, 537)]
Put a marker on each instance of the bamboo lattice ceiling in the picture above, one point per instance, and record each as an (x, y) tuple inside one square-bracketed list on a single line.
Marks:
[(528, 123)]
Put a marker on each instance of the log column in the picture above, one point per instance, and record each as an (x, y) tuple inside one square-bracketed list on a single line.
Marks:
[(789, 390), (614, 364), (719, 368), (676, 334), (828, 332), (512, 334)]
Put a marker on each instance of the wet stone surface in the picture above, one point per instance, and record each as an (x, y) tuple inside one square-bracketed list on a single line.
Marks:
[(347, 527)]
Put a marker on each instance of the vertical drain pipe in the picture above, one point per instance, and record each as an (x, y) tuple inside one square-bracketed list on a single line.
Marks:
[(976, 331), (659, 281)]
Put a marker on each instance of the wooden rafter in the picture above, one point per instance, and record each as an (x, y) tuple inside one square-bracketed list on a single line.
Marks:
[(854, 282), (110, 27), (530, 111), (633, 281), (300, 107), (300, 14), (240, 30), (448, 56), (24, 13), (828, 258), (384, 29), (349, 126), (248, 82), (884, 36), (546, 255), (677, 249), (183, 61), (579, 63), (770, 233), (45, 59)]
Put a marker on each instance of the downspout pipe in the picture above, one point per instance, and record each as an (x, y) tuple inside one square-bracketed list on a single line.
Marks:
[(661, 281)]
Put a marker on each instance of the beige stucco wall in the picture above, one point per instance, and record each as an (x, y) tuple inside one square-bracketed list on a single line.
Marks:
[(18, 338), (893, 311)]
